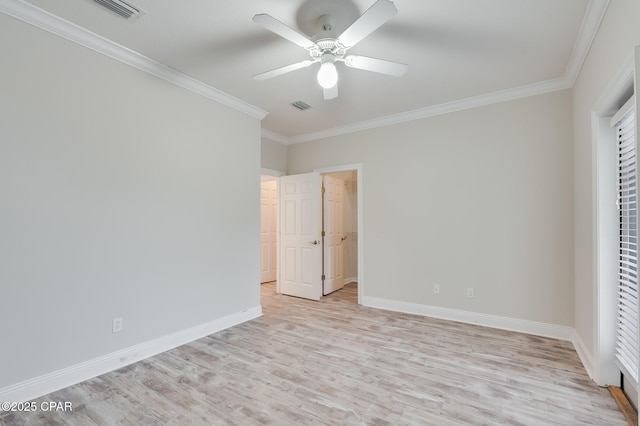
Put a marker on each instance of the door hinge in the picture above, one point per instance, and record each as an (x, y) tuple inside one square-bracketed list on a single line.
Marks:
[(324, 234), (323, 189), (323, 277)]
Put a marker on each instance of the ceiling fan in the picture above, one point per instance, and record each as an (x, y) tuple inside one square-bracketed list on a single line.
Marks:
[(328, 50)]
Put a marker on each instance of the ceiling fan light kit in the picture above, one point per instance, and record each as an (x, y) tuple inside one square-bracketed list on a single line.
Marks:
[(328, 74), (328, 51)]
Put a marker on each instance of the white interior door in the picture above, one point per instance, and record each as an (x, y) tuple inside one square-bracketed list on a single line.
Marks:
[(333, 227), (300, 260), (268, 230)]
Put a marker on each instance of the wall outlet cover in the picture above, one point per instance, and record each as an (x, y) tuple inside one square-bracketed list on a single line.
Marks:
[(116, 325)]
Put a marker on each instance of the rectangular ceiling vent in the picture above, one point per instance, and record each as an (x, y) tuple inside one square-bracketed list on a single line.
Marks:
[(300, 105), (127, 11)]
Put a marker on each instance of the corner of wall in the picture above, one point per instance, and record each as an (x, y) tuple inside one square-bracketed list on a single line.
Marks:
[(585, 355)]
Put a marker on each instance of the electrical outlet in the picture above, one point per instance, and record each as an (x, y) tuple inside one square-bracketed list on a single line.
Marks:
[(116, 325), (470, 292), (436, 288)]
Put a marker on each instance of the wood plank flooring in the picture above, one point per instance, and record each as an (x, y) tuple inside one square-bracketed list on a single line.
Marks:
[(623, 402), (334, 362)]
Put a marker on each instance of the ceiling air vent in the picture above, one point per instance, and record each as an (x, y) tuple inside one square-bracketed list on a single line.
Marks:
[(300, 105), (131, 13)]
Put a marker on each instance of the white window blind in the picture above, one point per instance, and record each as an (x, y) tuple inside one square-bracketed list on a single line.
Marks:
[(624, 123)]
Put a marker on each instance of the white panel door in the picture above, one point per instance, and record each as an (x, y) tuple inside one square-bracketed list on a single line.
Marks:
[(333, 226), (268, 230), (300, 260)]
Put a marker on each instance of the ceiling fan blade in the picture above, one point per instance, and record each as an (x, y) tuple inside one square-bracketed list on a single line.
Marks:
[(331, 93), (272, 24), (395, 69), (371, 19), (282, 70)]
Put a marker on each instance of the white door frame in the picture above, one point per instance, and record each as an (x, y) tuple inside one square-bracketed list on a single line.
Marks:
[(275, 174), (358, 168), (272, 266)]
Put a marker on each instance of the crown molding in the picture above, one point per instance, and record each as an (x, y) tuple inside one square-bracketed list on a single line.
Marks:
[(539, 88), (593, 17), (431, 111), (74, 33), (273, 136)]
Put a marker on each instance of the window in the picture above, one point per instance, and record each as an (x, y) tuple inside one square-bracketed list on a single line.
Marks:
[(627, 312)]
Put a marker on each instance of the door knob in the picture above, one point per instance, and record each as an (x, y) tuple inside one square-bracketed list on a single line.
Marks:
[(313, 242)]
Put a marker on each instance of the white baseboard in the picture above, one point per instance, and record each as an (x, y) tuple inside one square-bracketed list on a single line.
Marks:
[(51, 382), (585, 356), (351, 280), (494, 321)]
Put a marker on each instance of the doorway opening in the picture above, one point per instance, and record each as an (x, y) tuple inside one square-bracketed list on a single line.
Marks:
[(339, 230), (268, 228), (318, 260)]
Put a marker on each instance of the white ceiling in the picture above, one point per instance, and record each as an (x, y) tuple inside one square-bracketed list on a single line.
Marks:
[(456, 50)]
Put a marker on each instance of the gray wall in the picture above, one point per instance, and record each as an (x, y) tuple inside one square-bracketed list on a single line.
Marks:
[(273, 155), (120, 196), (480, 198)]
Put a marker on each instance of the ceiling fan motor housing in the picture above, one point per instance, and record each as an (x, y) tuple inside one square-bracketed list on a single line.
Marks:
[(328, 57), (327, 46)]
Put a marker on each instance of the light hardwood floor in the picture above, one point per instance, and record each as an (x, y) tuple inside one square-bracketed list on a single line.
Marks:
[(335, 362)]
